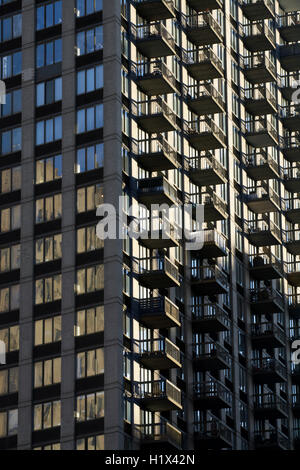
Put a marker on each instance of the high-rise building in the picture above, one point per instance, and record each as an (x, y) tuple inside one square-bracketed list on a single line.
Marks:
[(137, 343)]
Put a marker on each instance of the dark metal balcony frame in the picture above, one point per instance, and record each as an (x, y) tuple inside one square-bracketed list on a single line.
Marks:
[(259, 69), (291, 239), (158, 354), (258, 9), (263, 232), (257, 36), (259, 101), (208, 280), (203, 64), (268, 371), (206, 170), (203, 5), (157, 233), (154, 116), (158, 272), (262, 199), (290, 147), (289, 26), (265, 266), (266, 299), (153, 40), (291, 179), (261, 166), (155, 154), (260, 133), (207, 318), (158, 312), (213, 434), (267, 335), (270, 406), (289, 56), (293, 302), (271, 440), (203, 99), (210, 356), (163, 435), (214, 244), (154, 78), (290, 117), (292, 270), (158, 395), (202, 29), (204, 134), (211, 395), (156, 190), (289, 84), (291, 209), (154, 10)]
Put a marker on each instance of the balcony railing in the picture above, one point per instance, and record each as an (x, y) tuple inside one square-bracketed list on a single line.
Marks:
[(155, 9), (266, 294), (272, 439), (158, 184), (266, 260), (268, 364), (160, 432), (150, 152), (214, 429), (203, 56), (210, 312), (159, 345), (268, 329), (270, 401), (158, 263), (153, 30), (205, 90), (258, 68), (153, 107), (153, 69), (212, 389), (156, 306), (260, 160), (202, 29), (258, 126), (290, 147), (213, 236), (259, 92), (204, 273), (210, 350), (161, 388), (254, 31)]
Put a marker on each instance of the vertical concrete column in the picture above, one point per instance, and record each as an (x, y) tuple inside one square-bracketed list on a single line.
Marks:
[(68, 227), (113, 300), (27, 228)]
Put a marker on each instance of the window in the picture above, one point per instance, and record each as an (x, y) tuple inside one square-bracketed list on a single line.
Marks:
[(90, 406), (87, 240), (48, 249), (90, 321), (10, 258), (48, 53), (9, 381), (90, 363), (49, 130), (90, 279), (47, 415), (47, 372), (89, 119), (8, 423), (48, 208), (90, 158), (90, 79), (49, 92), (10, 336), (9, 298), (89, 197), (87, 7), (10, 218), (48, 447), (48, 14), (11, 141), (13, 103), (10, 65), (90, 443), (48, 289), (89, 40), (11, 27), (47, 331), (10, 179), (48, 169)]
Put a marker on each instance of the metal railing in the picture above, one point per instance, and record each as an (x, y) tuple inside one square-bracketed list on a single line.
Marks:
[(205, 273), (261, 125), (206, 162), (290, 143), (290, 236), (259, 60), (153, 68), (158, 345), (209, 312), (293, 300), (260, 158), (210, 350), (213, 428), (157, 185), (268, 3), (290, 203), (261, 294), (289, 19), (266, 364), (197, 56), (157, 305), (270, 400), (196, 92), (291, 173), (257, 28), (152, 107), (262, 192), (157, 264), (153, 30), (266, 329), (159, 432), (204, 126), (161, 388), (262, 225), (213, 236), (259, 92), (154, 145), (212, 389), (265, 259), (271, 437), (201, 20), (289, 80)]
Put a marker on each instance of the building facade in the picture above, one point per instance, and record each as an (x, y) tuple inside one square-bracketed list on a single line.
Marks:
[(141, 343)]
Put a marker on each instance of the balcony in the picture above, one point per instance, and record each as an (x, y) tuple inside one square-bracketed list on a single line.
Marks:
[(154, 116), (208, 280), (202, 30), (294, 305), (289, 5), (290, 147), (154, 40), (206, 170), (161, 436), (258, 9), (212, 395), (215, 208), (263, 232), (214, 245), (295, 374), (289, 84), (296, 405), (159, 354), (289, 26), (158, 273), (262, 199), (210, 356), (265, 299), (270, 406), (291, 208), (257, 37), (156, 190), (268, 371), (157, 233), (260, 133), (267, 335), (291, 179), (265, 266), (290, 117), (158, 312), (212, 434), (158, 395), (208, 318), (204, 134), (259, 101), (261, 166), (155, 154), (289, 57), (203, 5), (291, 239), (203, 99), (271, 440), (203, 64), (293, 273), (259, 69), (154, 10), (154, 78)]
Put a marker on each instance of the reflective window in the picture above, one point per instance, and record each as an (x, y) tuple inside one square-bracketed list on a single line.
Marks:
[(47, 372)]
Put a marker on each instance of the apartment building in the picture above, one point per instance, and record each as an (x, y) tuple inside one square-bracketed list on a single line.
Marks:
[(141, 343)]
